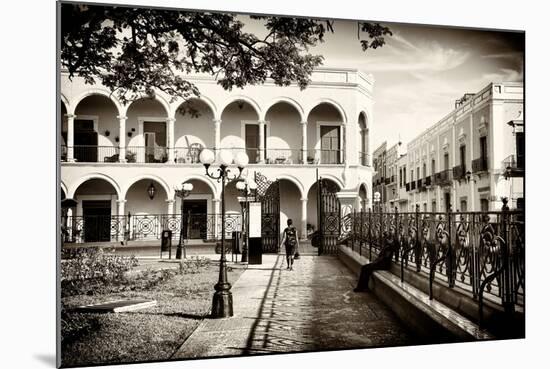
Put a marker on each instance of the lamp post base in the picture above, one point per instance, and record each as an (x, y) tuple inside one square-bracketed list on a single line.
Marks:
[(222, 304), (178, 252)]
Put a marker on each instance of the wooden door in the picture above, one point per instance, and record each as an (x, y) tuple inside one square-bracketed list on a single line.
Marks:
[(97, 220), (330, 144), (252, 142), (85, 141)]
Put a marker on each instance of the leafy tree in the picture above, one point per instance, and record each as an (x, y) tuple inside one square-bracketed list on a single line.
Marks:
[(134, 51)]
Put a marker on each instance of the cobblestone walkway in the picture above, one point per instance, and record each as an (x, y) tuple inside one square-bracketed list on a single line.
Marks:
[(310, 308)]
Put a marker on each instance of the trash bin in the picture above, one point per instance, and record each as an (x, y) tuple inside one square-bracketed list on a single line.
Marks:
[(166, 240), (236, 236)]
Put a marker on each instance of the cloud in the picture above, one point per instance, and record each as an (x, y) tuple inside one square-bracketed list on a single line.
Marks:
[(404, 55)]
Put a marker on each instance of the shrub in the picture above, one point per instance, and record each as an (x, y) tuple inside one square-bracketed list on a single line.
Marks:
[(193, 265), (76, 325), (85, 269)]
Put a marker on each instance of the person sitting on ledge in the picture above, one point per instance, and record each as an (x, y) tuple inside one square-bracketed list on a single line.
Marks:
[(382, 261)]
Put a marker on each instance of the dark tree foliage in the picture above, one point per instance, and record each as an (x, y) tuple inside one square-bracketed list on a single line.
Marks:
[(133, 51)]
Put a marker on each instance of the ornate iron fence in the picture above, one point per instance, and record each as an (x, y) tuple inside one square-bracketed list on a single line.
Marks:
[(480, 252), (99, 228)]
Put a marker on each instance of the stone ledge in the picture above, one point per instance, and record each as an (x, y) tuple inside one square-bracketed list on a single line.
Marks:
[(428, 318)]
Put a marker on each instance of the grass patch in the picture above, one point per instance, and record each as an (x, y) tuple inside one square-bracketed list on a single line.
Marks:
[(184, 297)]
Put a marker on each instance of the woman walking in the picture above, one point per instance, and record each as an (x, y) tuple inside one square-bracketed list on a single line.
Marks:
[(290, 240)]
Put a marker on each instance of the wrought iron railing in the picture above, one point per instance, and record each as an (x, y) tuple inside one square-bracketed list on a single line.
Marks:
[(93, 154), (325, 156), (427, 181), (480, 252), (413, 185), (480, 165), (444, 178), (459, 172), (188, 155), (143, 154), (105, 228), (514, 166)]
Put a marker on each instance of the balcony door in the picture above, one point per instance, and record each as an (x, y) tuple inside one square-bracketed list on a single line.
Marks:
[(252, 142), (330, 144), (85, 141), (97, 220), (154, 134)]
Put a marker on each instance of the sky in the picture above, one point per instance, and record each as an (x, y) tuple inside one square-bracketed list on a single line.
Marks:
[(422, 70)]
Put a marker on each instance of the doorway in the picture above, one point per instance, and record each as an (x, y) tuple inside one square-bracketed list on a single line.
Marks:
[(85, 141), (196, 225), (330, 144), (252, 142), (154, 134), (97, 220)]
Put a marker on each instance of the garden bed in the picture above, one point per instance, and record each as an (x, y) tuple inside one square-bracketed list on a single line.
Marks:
[(183, 295)]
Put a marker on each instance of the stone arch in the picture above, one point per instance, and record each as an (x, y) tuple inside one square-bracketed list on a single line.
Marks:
[(204, 179), (161, 100), (332, 102), (288, 100), (97, 91), (63, 187), (247, 99), (80, 181), (65, 101), (159, 180), (208, 101), (333, 178), (296, 181)]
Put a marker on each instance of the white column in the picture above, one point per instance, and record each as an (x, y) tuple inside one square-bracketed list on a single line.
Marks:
[(170, 206), (122, 138), (261, 127), (496, 152), (170, 138), (344, 148), (70, 136), (120, 207), (303, 224), (217, 135), (216, 203), (304, 142)]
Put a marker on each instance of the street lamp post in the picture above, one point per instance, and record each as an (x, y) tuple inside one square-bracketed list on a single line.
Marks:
[(222, 302), (182, 193), (245, 188)]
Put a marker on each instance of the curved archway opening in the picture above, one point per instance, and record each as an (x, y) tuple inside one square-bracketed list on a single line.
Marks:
[(325, 136), (147, 137), (283, 134), (192, 130), (96, 211), (290, 207), (363, 138), (240, 130), (312, 209), (200, 210), (95, 129)]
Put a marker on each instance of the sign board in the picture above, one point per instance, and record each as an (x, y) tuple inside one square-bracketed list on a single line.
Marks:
[(255, 219)]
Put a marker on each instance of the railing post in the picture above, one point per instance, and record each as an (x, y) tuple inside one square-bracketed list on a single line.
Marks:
[(417, 249), (507, 276), (396, 236), (450, 250), (369, 234), (362, 236)]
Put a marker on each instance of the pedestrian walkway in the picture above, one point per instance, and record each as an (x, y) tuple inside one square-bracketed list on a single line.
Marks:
[(310, 308)]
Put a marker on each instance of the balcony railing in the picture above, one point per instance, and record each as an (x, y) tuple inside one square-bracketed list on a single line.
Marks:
[(407, 186), (444, 177), (479, 165), (487, 259), (427, 181), (459, 172), (413, 185), (387, 180), (190, 155), (106, 228), (514, 166)]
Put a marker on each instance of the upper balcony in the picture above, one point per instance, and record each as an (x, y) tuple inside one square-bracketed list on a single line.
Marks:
[(444, 178), (480, 165), (185, 155), (514, 166)]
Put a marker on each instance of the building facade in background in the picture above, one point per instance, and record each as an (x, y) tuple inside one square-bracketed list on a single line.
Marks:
[(121, 159), (473, 157)]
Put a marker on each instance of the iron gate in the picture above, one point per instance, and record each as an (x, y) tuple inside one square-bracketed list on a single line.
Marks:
[(329, 216), (268, 194)]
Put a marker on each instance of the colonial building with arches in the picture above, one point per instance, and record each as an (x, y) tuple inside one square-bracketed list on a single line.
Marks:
[(111, 153)]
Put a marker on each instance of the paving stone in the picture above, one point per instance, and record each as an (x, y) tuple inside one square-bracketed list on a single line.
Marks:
[(310, 308)]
